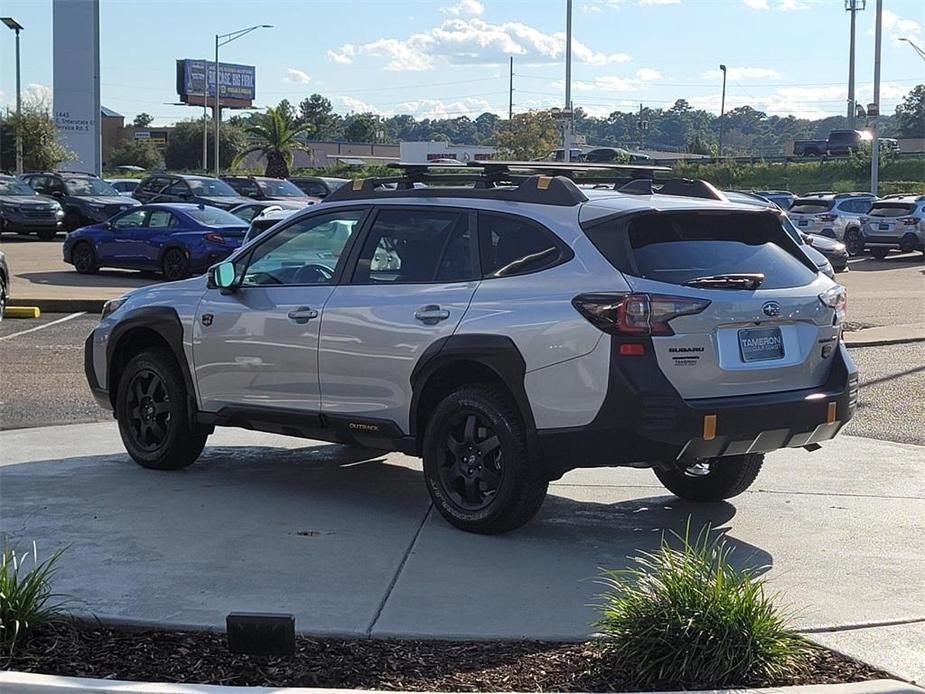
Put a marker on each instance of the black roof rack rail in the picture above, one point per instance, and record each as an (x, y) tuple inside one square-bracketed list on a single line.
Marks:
[(542, 182), (82, 173)]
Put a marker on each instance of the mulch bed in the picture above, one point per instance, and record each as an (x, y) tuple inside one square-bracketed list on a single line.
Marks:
[(202, 657)]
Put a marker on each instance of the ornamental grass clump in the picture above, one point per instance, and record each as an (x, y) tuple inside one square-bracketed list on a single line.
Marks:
[(26, 597), (686, 617)]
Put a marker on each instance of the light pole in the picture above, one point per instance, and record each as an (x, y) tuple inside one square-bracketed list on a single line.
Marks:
[(17, 27), (221, 40), (852, 6), (567, 123), (918, 50), (722, 111), (875, 106)]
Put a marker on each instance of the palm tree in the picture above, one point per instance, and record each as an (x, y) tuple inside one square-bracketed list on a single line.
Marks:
[(275, 135)]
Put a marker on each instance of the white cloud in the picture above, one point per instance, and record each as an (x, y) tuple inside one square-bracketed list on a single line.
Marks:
[(296, 76), (590, 8), (37, 94), (472, 41), (437, 108), (598, 5), (647, 74), (465, 7), (744, 73), (344, 56), (792, 5), (897, 27), (356, 105), (659, 2), (756, 4)]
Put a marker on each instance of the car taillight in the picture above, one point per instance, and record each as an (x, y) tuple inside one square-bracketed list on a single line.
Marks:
[(837, 298), (826, 217), (635, 314), (214, 238), (909, 220)]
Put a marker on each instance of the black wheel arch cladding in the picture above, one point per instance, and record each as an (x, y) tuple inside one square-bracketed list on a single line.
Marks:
[(497, 353)]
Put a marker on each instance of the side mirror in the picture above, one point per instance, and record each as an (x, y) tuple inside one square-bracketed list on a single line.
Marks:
[(224, 276)]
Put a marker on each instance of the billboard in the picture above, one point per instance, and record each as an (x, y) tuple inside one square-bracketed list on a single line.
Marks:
[(196, 78), (76, 81)]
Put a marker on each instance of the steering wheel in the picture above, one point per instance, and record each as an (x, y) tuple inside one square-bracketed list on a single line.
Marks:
[(313, 273)]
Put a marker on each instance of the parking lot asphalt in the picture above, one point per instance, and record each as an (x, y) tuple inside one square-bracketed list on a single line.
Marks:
[(43, 380), (347, 541)]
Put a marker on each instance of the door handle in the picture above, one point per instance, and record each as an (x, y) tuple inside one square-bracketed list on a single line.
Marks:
[(303, 314), (431, 314)]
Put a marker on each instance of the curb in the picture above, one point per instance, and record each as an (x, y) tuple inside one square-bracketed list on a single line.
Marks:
[(875, 342), (28, 683), (61, 305)]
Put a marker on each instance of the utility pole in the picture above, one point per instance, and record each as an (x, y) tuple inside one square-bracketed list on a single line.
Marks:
[(918, 50), (722, 112), (17, 27), (852, 6), (874, 108), (567, 123), (510, 97)]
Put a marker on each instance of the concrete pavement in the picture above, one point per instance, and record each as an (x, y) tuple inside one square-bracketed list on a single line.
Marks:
[(346, 539)]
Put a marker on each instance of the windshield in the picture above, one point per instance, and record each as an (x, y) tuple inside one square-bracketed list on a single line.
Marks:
[(277, 188), (211, 187), (89, 186), (891, 210), (811, 206), (334, 183), (11, 187), (214, 217), (791, 230)]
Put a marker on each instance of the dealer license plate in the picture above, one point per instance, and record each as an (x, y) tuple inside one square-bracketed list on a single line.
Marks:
[(761, 344)]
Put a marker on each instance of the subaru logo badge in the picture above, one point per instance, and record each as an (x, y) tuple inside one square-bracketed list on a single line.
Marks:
[(771, 309)]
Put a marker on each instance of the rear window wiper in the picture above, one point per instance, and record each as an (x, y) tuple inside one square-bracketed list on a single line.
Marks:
[(747, 280)]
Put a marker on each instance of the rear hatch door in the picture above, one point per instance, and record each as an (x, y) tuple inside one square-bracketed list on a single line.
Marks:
[(755, 336)]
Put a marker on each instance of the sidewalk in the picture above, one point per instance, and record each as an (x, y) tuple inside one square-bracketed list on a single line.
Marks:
[(347, 541)]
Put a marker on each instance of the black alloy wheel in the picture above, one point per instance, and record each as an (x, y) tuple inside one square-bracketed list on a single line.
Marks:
[(175, 264), (854, 242), (471, 463), (149, 410), (84, 259)]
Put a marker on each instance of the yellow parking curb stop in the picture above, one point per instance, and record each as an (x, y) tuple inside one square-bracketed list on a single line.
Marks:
[(22, 312)]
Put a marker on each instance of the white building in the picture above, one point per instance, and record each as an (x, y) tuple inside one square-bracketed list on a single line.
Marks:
[(420, 152)]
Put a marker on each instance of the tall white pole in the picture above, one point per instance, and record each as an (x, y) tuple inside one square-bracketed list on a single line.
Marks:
[(851, 107), (205, 126), (217, 114), (875, 121), (567, 123), (19, 128)]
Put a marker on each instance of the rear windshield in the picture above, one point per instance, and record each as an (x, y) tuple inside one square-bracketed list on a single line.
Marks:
[(211, 187), (811, 206), (679, 247), (891, 210), (214, 217)]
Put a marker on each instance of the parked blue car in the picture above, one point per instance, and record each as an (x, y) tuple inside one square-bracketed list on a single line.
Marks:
[(175, 239)]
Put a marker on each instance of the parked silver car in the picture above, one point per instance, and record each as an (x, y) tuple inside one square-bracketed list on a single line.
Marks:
[(836, 215), (897, 221)]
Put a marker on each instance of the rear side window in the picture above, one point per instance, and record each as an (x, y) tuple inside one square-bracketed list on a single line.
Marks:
[(416, 246), (511, 245), (679, 247), (810, 206), (893, 210)]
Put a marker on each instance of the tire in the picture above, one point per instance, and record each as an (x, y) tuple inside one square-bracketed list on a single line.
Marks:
[(728, 477), (476, 466), (854, 242), (908, 243), (879, 253), (175, 264), (47, 234), (83, 258), (152, 408)]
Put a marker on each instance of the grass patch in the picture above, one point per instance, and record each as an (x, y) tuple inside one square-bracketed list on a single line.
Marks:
[(26, 597), (687, 617)]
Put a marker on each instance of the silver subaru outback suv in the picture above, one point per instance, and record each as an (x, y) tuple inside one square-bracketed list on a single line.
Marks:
[(504, 324)]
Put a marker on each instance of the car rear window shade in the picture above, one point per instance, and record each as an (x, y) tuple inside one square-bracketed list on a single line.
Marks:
[(891, 210), (811, 206), (679, 247)]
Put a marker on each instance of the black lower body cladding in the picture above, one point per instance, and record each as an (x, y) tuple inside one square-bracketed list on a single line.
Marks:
[(644, 420)]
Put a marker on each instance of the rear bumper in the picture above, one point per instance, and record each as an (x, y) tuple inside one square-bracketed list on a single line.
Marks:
[(895, 240), (643, 420)]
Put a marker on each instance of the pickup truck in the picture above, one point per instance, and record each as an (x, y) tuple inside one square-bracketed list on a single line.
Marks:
[(839, 143)]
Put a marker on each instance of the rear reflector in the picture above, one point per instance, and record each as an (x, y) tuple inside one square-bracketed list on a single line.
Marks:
[(709, 427), (632, 349), (830, 415)]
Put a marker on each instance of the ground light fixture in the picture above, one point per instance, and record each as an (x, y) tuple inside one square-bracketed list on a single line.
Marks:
[(259, 633)]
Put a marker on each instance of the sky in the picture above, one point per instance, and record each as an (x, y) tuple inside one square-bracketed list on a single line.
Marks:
[(446, 58)]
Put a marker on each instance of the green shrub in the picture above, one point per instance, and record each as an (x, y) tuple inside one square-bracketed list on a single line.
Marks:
[(687, 617), (26, 598)]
